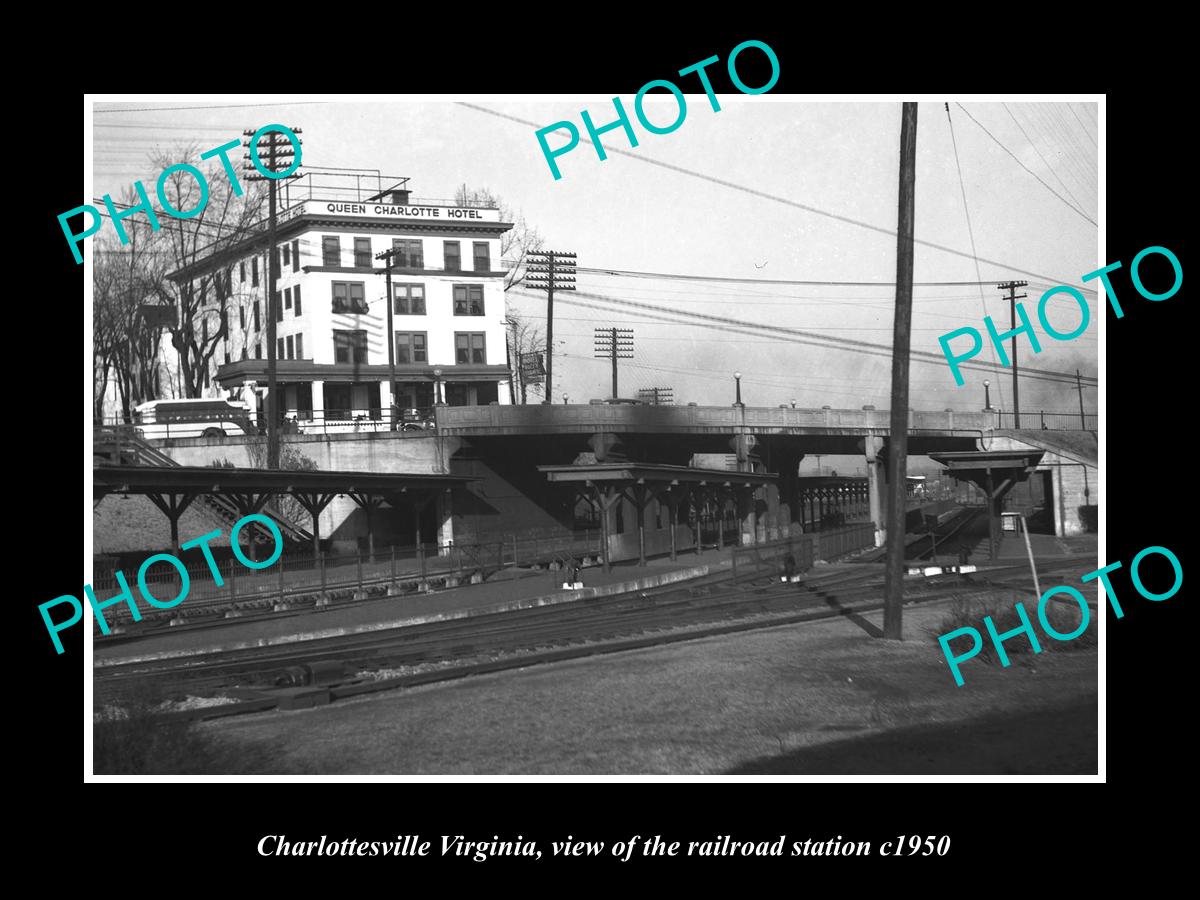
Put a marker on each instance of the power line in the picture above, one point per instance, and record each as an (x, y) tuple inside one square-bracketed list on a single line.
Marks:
[(1040, 156), (214, 106), (793, 203), (1025, 167), (680, 277), (971, 234), (800, 336)]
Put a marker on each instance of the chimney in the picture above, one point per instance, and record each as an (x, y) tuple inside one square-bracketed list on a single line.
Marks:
[(400, 198)]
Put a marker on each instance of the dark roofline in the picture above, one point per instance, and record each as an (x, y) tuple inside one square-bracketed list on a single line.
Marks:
[(260, 239)]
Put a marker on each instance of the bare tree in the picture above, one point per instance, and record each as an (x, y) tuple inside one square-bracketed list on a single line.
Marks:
[(525, 336), (290, 459), (127, 323), (202, 293), (516, 243)]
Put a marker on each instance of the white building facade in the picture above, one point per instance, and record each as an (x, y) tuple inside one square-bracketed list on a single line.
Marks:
[(448, 335)]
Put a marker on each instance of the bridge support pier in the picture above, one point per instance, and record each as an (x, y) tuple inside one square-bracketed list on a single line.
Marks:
[(877, 486), (445, 519), (747, 516)]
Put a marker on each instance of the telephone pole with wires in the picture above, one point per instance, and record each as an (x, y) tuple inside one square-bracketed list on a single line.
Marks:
[(1011, 287), (387, 256), (278, 165), (615, 343), (897, 456), (550, 271)]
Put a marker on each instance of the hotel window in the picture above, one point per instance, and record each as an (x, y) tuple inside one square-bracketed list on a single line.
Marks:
[(257, 326), (468, 299), (254, 272), (409, 299), (287, 255), (337, 401), (469, 348), (291, 347), (350, 346), (287, 298), (242, 270), (453, 260), (407, 255), (242, 317), (245, 352), (349, 297), (279, 349), (331, 250), (258, 351), (296, 256), (299, 346), (411, 347), (362, 252), (296, 298), (483, 257), (278, 304)]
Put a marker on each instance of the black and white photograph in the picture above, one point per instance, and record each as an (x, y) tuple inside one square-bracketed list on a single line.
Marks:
[(705, 432)]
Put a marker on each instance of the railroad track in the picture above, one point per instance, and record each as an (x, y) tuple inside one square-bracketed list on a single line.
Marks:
[(655, 616)]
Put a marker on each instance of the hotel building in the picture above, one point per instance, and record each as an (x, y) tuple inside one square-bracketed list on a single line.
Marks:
[(447, 296)]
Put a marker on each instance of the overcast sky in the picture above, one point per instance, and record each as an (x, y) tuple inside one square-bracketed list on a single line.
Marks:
[(836, 158)]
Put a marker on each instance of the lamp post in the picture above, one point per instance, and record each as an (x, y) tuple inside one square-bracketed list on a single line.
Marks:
[(437, 387), (737, 378), (987, 396), (564, 399), (793, 403)]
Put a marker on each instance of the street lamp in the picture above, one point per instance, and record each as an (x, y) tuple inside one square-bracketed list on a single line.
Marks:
[(987, 395), (437, 387), (564, 398), (793, 403), (737, 377)]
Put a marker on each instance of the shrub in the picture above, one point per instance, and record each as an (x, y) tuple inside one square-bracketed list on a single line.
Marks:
[(1063, 618), (134, 736)]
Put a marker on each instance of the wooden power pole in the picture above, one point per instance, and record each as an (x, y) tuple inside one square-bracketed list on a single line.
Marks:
[(897, 458), (550, 271), (1011, 287), (278, 165)]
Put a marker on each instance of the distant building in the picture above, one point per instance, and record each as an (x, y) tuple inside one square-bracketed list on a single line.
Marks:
[(448, 333)]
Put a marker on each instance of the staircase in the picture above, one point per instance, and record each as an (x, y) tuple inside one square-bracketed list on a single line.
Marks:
[(120, 445)]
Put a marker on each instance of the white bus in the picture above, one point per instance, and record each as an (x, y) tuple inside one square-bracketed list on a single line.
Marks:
[(208, 417)]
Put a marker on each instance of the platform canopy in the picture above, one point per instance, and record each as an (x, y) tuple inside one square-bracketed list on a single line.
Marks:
[(995, 472), (656, 475), (244, 492), (604, 484)]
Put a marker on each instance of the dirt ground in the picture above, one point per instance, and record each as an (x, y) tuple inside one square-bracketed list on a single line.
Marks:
[(819, 698)]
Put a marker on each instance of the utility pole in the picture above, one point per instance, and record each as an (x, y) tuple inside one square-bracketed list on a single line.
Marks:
[(893, 609), (1079, 386), (616, 343), (281, 166), (387, 256), (1011, 287), (550, 271)]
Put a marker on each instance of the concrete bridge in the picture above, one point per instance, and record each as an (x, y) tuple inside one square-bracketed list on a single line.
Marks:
[(501, 448), (700, 420)]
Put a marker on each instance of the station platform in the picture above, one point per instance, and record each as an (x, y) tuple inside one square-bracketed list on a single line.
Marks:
[(508, 590)]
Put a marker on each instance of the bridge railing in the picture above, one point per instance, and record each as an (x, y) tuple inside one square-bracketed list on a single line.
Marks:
[(686, 418)]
